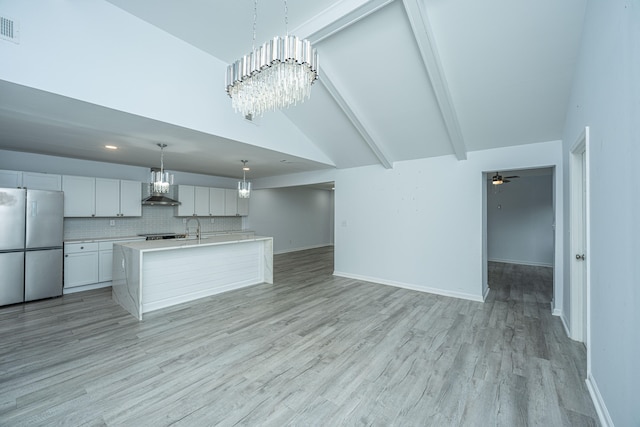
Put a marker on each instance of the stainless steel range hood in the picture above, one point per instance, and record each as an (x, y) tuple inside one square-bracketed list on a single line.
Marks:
[(157, 199)]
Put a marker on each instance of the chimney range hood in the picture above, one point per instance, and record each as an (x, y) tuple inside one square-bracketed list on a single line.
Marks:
[(157, 199)]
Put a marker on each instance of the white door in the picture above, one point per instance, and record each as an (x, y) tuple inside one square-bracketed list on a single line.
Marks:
[(583, 237), (579, 185)]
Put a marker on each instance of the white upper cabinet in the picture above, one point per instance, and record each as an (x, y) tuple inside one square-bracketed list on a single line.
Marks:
[(216, 201), (205, 201), (41, 181), (243, 207), (107, 197), (198, 201), (230, 202), (79, 196), (115, 197), (30, 180), (201, 203), (187, 199), (10, 179), (235, 206), (101, 197), (130, 198)]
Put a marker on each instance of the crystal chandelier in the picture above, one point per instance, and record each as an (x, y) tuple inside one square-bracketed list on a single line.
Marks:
[(277, 74), (244, 187), (160, 179)]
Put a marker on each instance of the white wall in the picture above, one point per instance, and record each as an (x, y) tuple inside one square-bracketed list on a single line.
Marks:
[(606, 97), (297, 217), (94, 51), (420, 224), (520, 221)]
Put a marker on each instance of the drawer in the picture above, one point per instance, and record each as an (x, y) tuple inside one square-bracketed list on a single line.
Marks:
[(72, 248), (106, 246)]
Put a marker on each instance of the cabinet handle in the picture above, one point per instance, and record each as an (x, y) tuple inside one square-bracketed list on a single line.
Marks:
[(81, 247), (66, 256)]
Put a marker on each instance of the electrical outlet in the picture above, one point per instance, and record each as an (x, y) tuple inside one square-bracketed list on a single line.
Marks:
[(211, 220), (112, 222), (184, 220)]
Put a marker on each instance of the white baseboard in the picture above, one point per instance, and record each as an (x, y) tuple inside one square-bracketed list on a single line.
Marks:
[(565, 324), (596, 397), (86, 287), (531, 263), (286, 251), (437, 291)]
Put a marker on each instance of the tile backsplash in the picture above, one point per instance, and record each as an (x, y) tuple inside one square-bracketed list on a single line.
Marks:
[(155, 219)]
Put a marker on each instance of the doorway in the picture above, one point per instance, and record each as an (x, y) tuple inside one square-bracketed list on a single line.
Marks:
[(579, 231), (519, 224)]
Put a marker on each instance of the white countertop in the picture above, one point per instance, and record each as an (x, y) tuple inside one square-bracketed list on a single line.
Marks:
[(172, 244), (112, 239), (103, 239)]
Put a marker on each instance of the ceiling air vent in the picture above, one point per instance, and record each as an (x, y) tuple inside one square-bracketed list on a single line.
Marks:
[(9, 29)]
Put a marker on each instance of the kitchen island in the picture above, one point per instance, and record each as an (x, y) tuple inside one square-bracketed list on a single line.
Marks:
[(155, 274)]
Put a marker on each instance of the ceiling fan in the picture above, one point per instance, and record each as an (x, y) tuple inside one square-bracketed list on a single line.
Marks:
[(498, 179)]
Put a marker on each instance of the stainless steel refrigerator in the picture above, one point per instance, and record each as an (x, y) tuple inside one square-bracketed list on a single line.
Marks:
[(31, 233)]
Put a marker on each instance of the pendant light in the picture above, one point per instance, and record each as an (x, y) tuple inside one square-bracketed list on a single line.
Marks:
[(244, 187), (161, 180)]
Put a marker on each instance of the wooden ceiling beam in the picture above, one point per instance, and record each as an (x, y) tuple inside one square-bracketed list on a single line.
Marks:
[(427, 46), (337, 17), (339, 95)]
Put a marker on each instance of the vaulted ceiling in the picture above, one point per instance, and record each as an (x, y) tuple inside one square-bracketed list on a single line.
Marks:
[(399, 80)]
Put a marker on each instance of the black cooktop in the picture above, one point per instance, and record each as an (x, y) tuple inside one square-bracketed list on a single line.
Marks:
[(160, 236)]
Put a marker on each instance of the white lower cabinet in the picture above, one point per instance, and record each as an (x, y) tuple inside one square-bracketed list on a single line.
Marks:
[(89, 263), (80, 264), (105, 255)]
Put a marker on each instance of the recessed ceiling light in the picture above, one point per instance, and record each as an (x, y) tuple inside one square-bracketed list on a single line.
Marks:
[(111, 147)]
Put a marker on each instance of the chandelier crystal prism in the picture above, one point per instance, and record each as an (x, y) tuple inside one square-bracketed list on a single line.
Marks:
[(275, 75)]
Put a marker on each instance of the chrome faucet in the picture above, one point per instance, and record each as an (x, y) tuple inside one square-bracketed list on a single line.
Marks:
[(197, 229)]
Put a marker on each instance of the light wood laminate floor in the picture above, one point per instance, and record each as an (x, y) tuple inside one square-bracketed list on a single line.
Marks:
[(312, 349)]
